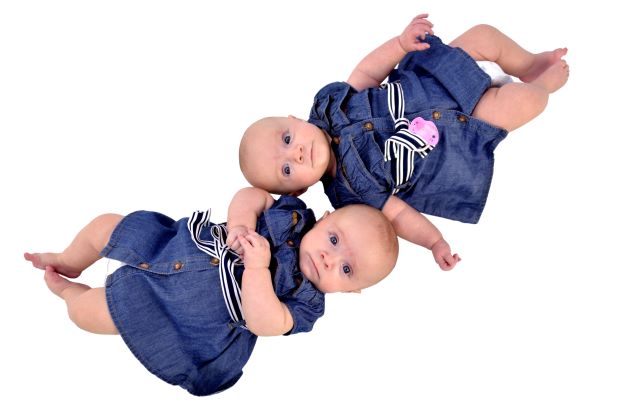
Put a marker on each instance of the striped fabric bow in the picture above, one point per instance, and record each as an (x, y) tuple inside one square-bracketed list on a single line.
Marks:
[(228, 258), (402, 146)]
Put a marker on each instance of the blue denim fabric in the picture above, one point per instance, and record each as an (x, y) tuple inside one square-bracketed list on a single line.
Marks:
[(441, 84), (167, 301)]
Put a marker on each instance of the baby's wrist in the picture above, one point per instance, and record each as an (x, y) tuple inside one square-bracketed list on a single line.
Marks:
[(440, 241), (231, 226), (399, 42), (256, 268)]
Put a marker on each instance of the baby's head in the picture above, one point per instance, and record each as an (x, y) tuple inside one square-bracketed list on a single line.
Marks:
[(284, 155), (348, 250)]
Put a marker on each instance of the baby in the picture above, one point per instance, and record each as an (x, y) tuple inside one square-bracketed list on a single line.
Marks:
[(184, 303), (423, 143)]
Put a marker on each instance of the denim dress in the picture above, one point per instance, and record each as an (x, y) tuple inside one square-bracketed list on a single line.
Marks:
[(168, 304), (442, 85)]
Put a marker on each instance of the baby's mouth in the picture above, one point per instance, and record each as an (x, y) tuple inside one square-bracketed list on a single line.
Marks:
[(314, 268)]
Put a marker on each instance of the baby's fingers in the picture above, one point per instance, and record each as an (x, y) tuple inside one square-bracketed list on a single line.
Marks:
[(422, 31), (236, 246), (421, 20), (448, 261), (231, 239), (233, 235), (420, 16), (244, 242), (425, 25), (256, 240), (252, 240), (233, 243), (444, 265)]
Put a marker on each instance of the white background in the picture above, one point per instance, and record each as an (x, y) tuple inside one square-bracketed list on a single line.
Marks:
[(123, 105)]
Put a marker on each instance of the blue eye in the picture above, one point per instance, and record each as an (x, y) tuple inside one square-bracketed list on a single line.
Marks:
[(287, 138), (333, 239), (346, 269), (286, 170)]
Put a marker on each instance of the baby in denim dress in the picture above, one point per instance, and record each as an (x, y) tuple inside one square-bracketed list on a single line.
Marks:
[(422, 143), (192, 296)]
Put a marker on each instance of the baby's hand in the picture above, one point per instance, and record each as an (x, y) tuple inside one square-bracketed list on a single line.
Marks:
[(413, 35), (442, 253), (232, 238), (255, 250)]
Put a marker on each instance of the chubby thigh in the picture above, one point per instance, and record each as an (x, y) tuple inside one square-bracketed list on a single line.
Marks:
[(90, 312)]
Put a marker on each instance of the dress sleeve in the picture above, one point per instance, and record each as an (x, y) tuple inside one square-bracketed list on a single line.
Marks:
[(326, 112), (286, 202), (287, 221), (306, 305)]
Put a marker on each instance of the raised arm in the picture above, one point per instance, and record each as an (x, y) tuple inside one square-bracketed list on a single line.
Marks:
[(413, 226), (245, 208), (376, 66), (264, 313)]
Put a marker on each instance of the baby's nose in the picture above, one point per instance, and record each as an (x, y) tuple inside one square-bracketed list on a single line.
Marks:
[(327, 259), (299, 153)]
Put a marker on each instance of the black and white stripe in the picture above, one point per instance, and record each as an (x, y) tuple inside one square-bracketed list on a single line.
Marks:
[(401, 147), (217, 248)]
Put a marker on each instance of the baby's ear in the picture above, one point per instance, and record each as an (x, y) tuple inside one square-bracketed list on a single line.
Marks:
[(324, 215), (293, 117), (297, 193)]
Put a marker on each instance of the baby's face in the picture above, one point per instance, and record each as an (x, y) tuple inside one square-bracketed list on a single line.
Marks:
[(285, 155), (342, 254)]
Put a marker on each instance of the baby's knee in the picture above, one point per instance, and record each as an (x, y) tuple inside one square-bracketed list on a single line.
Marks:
[(78, 314), (529, 104), (107, 221), (534, 102), (484, 30), (101, 228), (95, 319)]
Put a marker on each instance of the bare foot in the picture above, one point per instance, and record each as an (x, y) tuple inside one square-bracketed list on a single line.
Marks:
[(58, 284), (554, 77), (43, 260), (55, 282), (542, 62)]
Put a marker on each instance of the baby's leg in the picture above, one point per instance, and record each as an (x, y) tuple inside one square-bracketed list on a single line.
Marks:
[(515, 104), (82, 252), (484, 42), (87, 307)]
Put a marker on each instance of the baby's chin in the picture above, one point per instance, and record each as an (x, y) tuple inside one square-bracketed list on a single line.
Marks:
[(306, 268)]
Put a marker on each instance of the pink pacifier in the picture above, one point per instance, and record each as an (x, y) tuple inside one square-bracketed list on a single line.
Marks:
[(425, 129)]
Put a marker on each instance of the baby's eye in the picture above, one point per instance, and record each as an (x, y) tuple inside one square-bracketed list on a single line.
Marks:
[(287, 138), (347, 269), (333, 239), (286, 170)]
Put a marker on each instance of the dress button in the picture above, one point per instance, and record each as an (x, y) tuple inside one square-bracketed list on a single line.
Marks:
[(294, 218), (436, 115), (336, 140), (290, 243), (214, 261), (144, 265), (178, 265), (368, 126), (462, 118)]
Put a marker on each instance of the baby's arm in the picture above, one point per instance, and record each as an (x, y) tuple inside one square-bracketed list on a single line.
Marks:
[(245, 208), (376, 66), (264, 313), (415, 227)]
